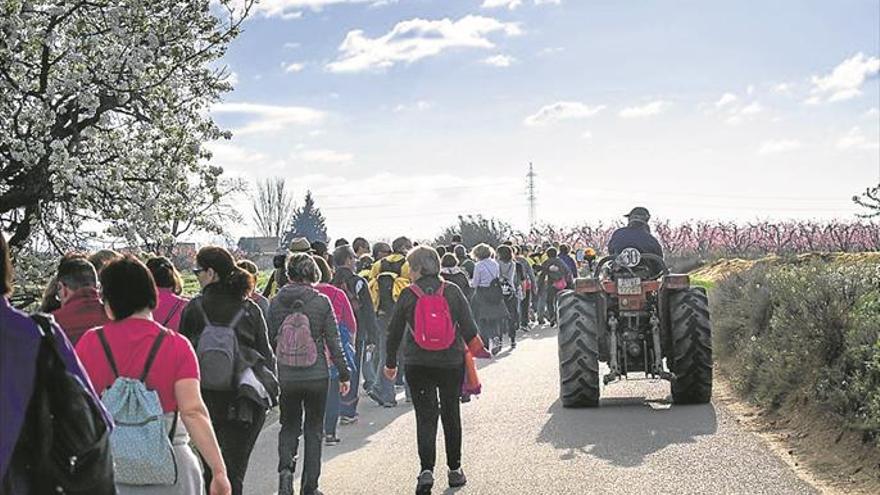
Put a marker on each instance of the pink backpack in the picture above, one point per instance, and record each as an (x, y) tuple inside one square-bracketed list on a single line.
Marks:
[(433, 329), (296, 347)]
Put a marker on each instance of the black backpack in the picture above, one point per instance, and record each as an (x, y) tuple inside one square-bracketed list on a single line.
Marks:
[(388, 273), (64, 446)]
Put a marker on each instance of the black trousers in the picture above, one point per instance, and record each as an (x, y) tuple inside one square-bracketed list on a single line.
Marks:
[(307, 397), (551, 303), (524, 307), (426, 384), (512, 322), (236, 439)]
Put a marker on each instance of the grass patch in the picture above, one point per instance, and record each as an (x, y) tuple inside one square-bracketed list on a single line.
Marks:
[(191, 285)]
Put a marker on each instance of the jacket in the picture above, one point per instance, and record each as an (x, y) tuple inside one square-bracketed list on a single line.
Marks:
[(508, 270), (570, 263), (83, 311), (528, 273), (356, 288), (458, 276), (322, 322), (401, 323), (20, 341), (552, 270), (220, 308), (634, 236)]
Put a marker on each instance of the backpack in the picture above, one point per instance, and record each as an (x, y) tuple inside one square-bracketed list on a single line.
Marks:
[(172, 312), (507, 288), (351, 292), (433, 329), (64, 444), (296, 346), (141, 446), (389, 272), (218, 353)]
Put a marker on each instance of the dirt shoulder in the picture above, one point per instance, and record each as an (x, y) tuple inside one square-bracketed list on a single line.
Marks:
[(816, 446)]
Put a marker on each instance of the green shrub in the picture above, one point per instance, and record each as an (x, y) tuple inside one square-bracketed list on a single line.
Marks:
[(809, 329)]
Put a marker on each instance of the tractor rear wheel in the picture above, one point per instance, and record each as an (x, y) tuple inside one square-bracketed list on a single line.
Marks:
[(692, 346), (578, 351)]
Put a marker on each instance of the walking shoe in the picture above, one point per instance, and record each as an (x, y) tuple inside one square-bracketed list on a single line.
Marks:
[(457, 478), (513, 345), (496, 345), (285, 482), (389, 405), (425, 483), (331, 440), (524, 329), (348, 420), (378, 400)]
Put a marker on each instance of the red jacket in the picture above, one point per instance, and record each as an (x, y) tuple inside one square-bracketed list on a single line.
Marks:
[(84, 310)]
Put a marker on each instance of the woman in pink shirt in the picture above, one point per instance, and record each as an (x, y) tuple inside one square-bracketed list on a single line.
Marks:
[(129, 299), (347, 333), (170, 304)]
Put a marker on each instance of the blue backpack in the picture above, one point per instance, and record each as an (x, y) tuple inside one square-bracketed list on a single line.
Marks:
[(141, 446)]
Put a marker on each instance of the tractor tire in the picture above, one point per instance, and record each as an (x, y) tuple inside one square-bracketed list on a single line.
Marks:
[(692, 346), (578, 351)]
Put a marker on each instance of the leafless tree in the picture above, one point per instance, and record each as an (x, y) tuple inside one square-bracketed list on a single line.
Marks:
[(273, 207)]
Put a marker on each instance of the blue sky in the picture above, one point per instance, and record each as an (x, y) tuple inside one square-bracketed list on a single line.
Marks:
[(399, 115)]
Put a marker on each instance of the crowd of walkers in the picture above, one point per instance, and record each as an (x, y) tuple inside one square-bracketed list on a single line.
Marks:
[(160, 373)]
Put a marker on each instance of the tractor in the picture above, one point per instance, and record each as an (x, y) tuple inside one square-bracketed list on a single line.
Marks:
[(638, 318)]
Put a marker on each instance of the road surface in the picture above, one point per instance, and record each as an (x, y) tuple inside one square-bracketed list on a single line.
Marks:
[(519, 440)]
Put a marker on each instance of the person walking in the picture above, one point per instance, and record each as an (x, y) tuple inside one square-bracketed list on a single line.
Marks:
[(433, 321), (30, 380), (529, 285), (134, 345), (255, 296), (452, 273), (224, 307), (511, 276), (302, 319), (347, 328), (168, 282), (554, 278), (488, 301), (81, 306), (355, 287), (388, 277)]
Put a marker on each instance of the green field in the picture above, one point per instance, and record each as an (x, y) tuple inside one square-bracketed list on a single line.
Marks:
[(191, 285)]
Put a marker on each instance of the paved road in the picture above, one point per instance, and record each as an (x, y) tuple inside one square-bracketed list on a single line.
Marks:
[(519, 439)]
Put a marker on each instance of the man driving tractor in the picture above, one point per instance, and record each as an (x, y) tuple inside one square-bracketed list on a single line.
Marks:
[(637, 234)]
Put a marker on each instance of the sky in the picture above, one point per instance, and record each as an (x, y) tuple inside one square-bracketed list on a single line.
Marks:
[(400, 115)]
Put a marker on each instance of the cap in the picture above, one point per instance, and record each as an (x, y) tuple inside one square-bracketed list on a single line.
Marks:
[(300, 245), (639, 213)]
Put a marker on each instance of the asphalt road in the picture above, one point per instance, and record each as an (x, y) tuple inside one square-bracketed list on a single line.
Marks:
[(519, 439)]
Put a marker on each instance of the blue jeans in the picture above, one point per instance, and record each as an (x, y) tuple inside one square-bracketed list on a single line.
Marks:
[(383, 388), (331, 410), (349, 403)]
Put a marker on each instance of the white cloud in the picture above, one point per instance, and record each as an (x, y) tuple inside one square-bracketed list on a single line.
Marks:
[(513, 4), (782, 88), (752, 108), (269, 118), (780, 146), (415, 39), (726, 99), (232, 78), (293, 67), (293, 9), (291, 45), (872, 113), (648, 110), (750, 89), (845, 81), (587, 135), (562, 110), (323, 156), (510, 4), (228, 155), (419, 106), (855, 139), (551, 50), (499, 60)]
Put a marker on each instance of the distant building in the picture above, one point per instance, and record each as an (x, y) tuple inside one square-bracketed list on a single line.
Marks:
[(260, 250)]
